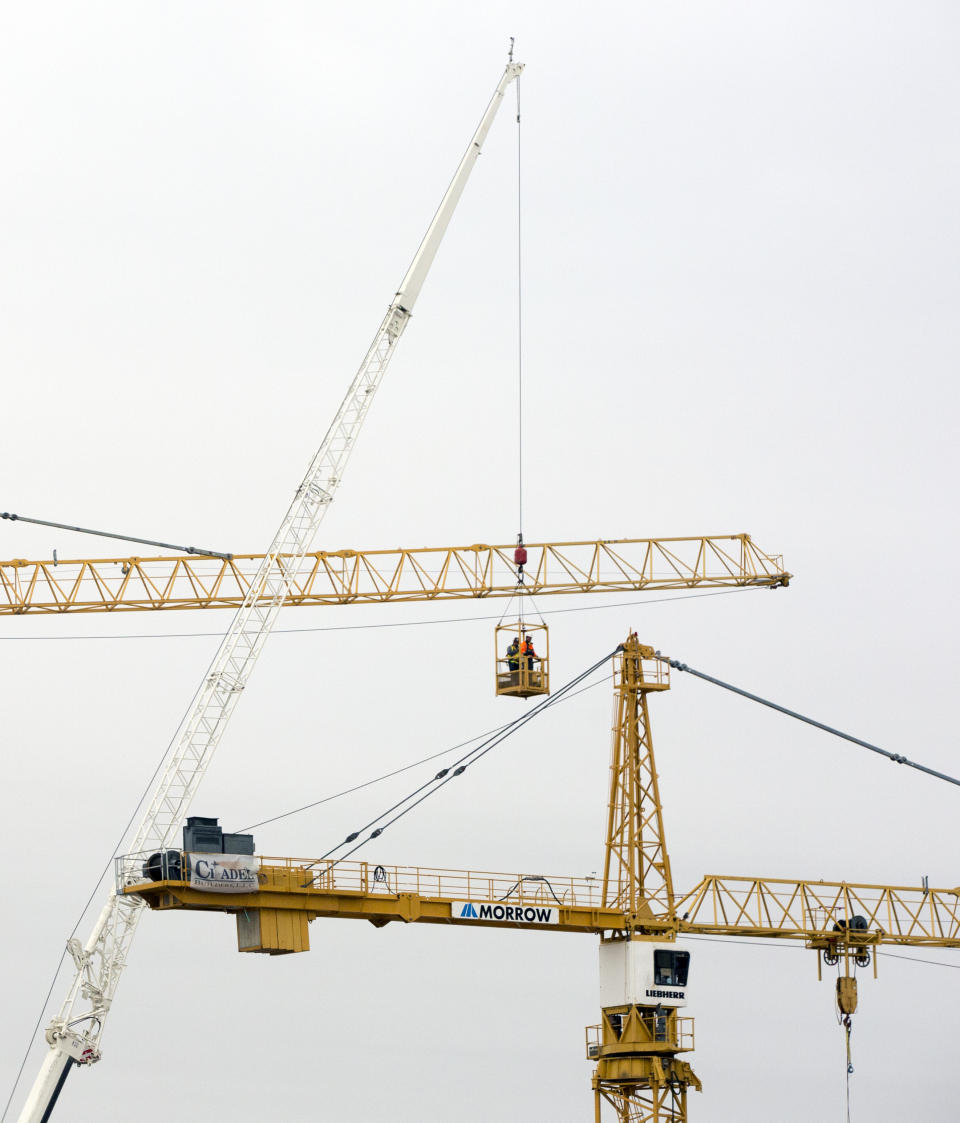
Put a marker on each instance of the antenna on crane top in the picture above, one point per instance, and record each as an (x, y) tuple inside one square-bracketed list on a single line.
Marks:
[(510, 53)]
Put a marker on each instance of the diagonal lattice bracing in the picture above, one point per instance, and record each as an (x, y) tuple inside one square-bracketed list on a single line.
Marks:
[(636, 874)]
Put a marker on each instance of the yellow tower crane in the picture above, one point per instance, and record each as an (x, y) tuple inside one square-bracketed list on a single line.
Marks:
[(639, 1042)]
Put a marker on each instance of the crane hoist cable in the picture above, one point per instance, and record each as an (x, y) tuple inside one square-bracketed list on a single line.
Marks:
[(520, 553), (896, 758), (520, 594), (847, 1022), (519, 332)]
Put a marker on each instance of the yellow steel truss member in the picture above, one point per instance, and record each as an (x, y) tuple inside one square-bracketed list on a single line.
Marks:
[(375, 576), (636, 870)]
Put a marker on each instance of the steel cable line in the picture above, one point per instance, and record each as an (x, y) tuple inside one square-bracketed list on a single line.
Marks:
[(896, 758), (370, 783), (199, 550), (399, 623), (460, 766), (789, 945), (445, 775), (519, 326), (405, 767)]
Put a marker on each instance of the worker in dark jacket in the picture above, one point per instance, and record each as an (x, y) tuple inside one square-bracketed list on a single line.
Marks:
[(513, 654)]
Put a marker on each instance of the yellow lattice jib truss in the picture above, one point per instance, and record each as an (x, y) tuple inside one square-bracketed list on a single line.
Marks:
[(374, 576), (823, 913)]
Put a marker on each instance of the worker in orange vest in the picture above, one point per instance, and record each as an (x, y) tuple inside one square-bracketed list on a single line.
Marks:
[(527, 654)]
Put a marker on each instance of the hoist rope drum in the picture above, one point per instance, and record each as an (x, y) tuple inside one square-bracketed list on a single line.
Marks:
[(522, 653)]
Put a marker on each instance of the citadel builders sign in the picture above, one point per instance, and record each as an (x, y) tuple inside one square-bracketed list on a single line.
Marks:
[(224, 873)]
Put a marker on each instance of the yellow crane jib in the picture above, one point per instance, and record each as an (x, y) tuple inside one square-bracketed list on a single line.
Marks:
[(127, 584)]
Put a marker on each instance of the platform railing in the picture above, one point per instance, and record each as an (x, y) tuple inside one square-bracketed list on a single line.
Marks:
[(684, 1042), (368, 878)]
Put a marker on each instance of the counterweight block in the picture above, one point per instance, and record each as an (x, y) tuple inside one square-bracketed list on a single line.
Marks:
[(272, 931)]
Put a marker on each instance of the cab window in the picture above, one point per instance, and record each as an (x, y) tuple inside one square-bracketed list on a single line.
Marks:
[(670, 968)]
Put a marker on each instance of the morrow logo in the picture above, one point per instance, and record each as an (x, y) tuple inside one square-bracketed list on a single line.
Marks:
[(511, 914)]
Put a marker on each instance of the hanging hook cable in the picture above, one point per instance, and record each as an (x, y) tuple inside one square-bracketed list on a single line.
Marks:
[(503, 615), (519, 329), (520, 554), (847, 1023), (523, 591), (536, 609)]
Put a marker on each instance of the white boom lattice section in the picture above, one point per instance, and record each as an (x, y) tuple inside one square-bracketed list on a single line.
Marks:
[(75, 1033)]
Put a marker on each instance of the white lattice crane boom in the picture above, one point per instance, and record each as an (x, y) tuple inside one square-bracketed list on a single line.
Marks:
[(74, 1034)]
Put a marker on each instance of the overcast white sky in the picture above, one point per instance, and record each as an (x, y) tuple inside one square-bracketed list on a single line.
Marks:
[(741, 281)]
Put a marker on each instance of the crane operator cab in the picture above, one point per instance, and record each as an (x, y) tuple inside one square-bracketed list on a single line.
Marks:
[(642, 972), (522, 659), (643, 985)]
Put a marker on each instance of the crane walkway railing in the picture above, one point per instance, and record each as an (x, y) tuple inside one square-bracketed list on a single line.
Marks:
[(370, 891), (824, 914), (142, 871)]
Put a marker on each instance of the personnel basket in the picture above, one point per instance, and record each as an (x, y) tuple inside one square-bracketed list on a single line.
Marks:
[(522, 675)]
